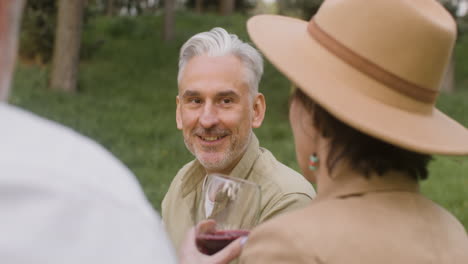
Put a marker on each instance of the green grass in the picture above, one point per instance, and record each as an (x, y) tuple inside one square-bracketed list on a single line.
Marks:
[(126, 102)]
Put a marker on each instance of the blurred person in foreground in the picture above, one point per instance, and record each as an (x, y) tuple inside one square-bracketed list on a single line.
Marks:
[(365, 126), (218, 105), (64, 198)]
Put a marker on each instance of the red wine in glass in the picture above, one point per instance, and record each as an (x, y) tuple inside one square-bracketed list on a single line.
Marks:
[(210, 243)]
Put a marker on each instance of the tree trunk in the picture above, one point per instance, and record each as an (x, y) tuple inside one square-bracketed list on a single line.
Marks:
[(168, 30), (10, 17), (448, 82), (65, 61), (198, 6), (136, 5), (281, 7), (226, 7), (110, 7)]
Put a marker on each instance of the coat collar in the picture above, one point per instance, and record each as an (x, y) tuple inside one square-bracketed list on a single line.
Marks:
[(196, 173), (351, 183)]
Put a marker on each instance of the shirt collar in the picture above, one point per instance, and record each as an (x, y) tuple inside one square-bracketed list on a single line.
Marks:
[(242, 169), (196, 172), (352, 183)]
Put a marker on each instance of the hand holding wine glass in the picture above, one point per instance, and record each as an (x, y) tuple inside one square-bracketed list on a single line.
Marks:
[(234, 205)]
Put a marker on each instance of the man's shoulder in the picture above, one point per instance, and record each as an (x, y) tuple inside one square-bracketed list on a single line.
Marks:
[(47, 145), (62, 159), (281, 176), (62, 180), (176, 183), (183, 172)]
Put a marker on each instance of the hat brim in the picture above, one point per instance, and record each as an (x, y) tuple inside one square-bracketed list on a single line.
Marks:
[(286, 43)]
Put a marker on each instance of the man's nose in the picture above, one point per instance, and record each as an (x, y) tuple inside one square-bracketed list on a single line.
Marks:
[(209, 116)]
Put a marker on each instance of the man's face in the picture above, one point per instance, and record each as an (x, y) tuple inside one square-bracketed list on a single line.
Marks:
[(216, 111)]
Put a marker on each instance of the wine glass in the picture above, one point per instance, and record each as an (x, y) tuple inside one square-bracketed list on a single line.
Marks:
[(233, 203)]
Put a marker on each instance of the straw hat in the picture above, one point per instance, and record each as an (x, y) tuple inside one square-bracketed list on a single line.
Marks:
[(375, 65)]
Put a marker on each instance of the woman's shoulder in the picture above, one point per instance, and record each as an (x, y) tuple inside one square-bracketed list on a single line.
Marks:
[(282, 239)]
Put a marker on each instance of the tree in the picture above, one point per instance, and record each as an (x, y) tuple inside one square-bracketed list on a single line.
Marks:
[(10, 13), (198, 6), (65, 60), (221, 6), (304, 9), (38, 31), (110, 7), (448, 82), (226, 7), (168, 30)]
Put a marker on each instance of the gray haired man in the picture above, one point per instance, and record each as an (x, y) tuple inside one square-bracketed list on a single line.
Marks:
[(218, 105)]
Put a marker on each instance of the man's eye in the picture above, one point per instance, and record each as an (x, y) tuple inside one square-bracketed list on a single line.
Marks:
[(226, 100), (195, 100)]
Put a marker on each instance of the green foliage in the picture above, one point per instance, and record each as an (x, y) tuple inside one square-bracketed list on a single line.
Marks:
[(38, 30), (213, 5), (127, 95), (304, 9), (461, 63), (121, 27), (452, 7)]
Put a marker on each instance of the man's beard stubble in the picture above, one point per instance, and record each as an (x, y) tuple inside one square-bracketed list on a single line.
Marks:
[(236, 148)]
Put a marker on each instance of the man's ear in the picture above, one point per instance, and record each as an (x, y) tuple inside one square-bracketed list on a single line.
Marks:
[(259, 108), (178, 117)]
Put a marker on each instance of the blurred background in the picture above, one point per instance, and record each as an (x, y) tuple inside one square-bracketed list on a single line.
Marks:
[(107, 68)]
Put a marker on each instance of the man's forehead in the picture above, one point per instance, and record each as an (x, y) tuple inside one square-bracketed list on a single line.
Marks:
[(214, 59), (219, 93), (204, 66), (212, 88)]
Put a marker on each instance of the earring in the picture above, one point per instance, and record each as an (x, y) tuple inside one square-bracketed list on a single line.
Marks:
[(313, 162)]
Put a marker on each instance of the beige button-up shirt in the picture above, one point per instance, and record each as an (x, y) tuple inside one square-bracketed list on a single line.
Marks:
[(282, 189), (362, 221)]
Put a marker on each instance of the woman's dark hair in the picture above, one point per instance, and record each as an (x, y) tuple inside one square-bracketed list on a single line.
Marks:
[(365, 153)]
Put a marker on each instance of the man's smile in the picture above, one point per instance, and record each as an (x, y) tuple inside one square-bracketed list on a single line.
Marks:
[(211, 139)]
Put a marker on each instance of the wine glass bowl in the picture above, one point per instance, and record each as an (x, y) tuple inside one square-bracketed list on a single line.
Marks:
[(233, 203)]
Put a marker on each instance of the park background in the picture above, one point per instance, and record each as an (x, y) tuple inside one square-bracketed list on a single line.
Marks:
[(120, 86)]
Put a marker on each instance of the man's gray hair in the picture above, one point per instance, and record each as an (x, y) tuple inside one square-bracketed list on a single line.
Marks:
[(218, 42)]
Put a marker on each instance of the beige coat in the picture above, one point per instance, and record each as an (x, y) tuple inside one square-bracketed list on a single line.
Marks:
[(378, 221), (282, 190)]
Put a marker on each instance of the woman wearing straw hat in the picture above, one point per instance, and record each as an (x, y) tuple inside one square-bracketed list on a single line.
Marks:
[(364, 125)]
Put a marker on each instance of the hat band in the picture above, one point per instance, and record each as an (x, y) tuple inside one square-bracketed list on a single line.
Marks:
[(369, 68)]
